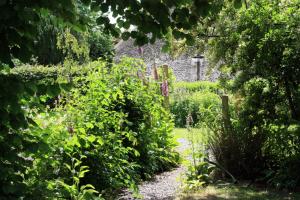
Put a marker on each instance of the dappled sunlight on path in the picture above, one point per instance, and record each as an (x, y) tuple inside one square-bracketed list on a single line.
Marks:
[(164, 186), (237, 192)]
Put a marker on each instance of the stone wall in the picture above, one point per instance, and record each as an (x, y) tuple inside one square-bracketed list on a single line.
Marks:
[(152, 56)]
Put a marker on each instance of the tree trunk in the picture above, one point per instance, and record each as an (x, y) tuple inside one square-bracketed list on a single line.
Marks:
[(225, 113), (295, 115)]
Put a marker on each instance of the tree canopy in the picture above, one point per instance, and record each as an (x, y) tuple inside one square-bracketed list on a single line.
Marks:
[(261, 41), (152, 19), (19, 21), (257, 49), (254, 43)]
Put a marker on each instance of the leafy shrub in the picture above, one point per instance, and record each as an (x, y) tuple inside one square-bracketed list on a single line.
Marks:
[(184, 104), (282, 155), (47, 82), (51, 74), (115, 122), (254, 148), (262, 61), (16, 98), (198, 176), (235, 149), (189, 87), (268, 135), (101, 45), (93, 42), (199, 170)]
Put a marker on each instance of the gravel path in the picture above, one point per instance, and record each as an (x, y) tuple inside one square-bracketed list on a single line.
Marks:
[(164, 186)]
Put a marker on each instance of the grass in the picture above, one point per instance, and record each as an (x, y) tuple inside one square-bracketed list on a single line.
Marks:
[(226, 192), (195, 135), (198, 136), (185, 134)]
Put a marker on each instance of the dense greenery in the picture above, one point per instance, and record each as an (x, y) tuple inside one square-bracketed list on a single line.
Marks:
[(100, 45), (155, 17), (107, 134), (18, 35), (188, 97), (257, 48), (197, 106), (110, 130), (50, 74), (19, 30), (199, 86), (52, 34)]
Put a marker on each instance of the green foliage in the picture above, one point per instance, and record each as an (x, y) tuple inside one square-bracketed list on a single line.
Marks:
[(196, 105), (19, 23), (17, 96), (46, 41), (199, 171), (282, 147), (19, 30), (77, 191), (190, 97), (156, 17), (198, 176), (198, 86), (137, 116), (257, 45), (47, 74), (72, 48), (47, 82), (12, 164), (17, 41), (100, 45), (57, 42), (18, 35), (108, 134)]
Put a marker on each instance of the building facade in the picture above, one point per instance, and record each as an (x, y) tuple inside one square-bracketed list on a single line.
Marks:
[(152, 55)]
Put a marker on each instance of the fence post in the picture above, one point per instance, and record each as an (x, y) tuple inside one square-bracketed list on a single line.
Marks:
[(225, 114), (166, 78), (154, 73)]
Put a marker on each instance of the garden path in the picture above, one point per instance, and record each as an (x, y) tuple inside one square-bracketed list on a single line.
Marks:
[(164, 186)]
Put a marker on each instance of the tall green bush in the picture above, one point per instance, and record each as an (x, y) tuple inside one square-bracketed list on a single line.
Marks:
[(114, 124), (17, 97), (93, 42), (196, 86), (255, 44), (188, 97)]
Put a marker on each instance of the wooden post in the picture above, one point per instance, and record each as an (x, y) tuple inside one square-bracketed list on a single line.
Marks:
[(166, 78), (198, 70), (154, 73), (225, 113)]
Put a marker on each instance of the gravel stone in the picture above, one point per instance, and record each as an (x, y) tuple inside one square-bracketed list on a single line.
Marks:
[(164, 186)]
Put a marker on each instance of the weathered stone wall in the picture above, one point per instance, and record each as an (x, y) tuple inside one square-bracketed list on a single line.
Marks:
[(152, 55)]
